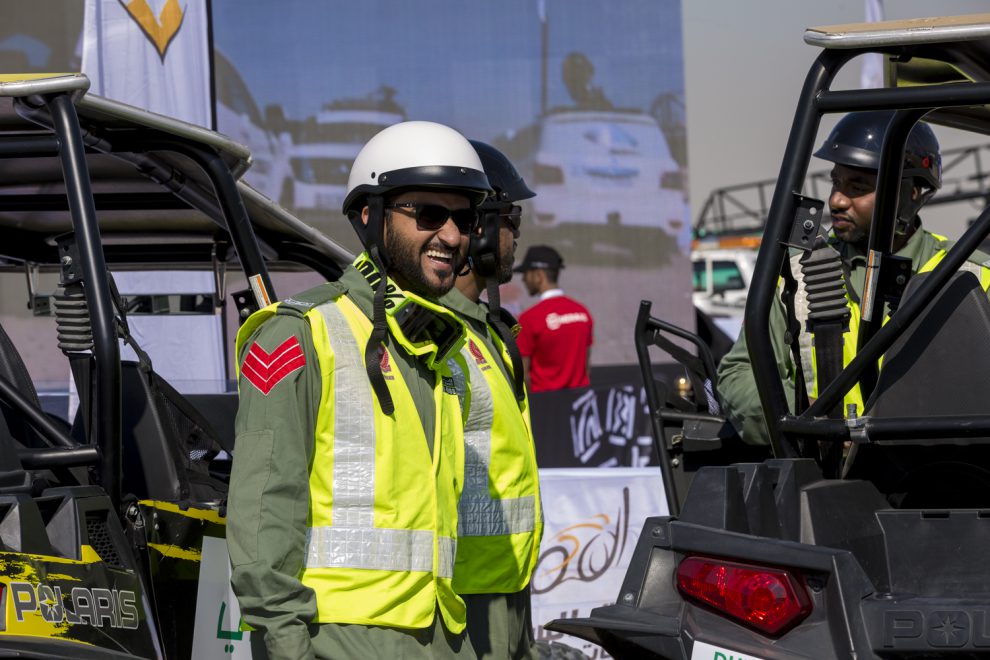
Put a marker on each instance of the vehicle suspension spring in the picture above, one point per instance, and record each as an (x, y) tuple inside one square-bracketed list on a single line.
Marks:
[(72, 321), (825, 284)]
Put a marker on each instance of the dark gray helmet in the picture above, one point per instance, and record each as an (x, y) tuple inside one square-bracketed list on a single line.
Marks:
[(484, 252), (857, 139), (502, 176)]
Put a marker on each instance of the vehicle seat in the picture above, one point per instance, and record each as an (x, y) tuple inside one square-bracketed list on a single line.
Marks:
[(167, 443), (939, 366), (12, 368)]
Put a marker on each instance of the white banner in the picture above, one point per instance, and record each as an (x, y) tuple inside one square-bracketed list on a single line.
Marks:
[(592, 519), (217, 632), (153, 54)]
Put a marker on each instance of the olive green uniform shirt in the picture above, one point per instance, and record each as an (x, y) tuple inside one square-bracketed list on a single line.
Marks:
[(500, 626), (268, 504), (736, 383)]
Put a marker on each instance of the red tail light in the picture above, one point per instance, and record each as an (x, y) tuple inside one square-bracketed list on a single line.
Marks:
[(768, 599)]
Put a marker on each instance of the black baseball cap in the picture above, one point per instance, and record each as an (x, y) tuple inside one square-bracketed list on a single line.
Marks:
[(540, 257)]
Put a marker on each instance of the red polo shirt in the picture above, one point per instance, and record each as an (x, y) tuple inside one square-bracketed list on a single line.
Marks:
[(556, 335)]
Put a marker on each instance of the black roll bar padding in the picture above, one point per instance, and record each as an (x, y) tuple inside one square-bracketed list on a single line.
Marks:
[(645, 329), (926, 428), (107, 425), (893, 429), (904, 98), (773, 252), (884, 226), (61, 457), (23, 146), (909, 310), (238, 224), (35, 417)]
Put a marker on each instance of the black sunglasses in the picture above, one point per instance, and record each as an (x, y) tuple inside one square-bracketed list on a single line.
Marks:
[(513, 217), (432, 217)]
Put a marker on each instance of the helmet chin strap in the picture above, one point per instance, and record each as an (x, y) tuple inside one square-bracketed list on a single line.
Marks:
[(505, 334), (908, 206), (483, 255), (374, 240)]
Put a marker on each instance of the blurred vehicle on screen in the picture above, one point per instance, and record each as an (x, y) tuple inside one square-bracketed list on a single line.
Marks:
[(325, 146), (614, 170), (721, 278)]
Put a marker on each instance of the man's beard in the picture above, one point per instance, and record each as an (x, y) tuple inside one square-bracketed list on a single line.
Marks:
[(405, 261)]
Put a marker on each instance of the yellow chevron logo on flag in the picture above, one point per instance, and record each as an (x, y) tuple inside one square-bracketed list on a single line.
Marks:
[(161, 30)]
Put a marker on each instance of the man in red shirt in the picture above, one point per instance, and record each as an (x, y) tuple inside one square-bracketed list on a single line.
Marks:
[(556, 335)]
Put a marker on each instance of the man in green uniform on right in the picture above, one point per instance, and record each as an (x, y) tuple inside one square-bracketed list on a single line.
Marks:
[(854, 147), (499, 517)]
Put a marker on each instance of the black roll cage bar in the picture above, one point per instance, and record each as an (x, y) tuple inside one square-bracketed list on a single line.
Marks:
[(911, 103), (56, 112)]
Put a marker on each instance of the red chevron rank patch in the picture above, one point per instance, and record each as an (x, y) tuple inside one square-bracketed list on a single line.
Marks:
[(266, 370)]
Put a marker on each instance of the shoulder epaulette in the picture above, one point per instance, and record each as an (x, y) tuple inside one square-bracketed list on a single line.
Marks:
[(300, 304)]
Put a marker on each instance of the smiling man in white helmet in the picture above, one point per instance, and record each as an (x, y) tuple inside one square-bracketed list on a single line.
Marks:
[(349, 458)]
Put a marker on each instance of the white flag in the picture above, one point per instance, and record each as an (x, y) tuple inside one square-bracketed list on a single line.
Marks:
[(872, 73), (153, 54)]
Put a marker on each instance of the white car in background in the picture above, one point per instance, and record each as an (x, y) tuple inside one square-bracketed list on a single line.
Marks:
[(610, 169), (323, 151), (721, 279)]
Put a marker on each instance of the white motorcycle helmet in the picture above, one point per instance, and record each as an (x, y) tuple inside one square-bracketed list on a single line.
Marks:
[(415, 154)]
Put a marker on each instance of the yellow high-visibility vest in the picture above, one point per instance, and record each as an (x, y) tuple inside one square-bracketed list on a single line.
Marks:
[(500, 521), (383, 512)]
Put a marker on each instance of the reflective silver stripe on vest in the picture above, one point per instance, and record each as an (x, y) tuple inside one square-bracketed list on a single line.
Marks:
[(353, 541), (381, 549), (477, 513), (447, 552)]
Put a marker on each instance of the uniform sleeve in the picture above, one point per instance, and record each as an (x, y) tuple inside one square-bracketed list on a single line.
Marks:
[(737, 386), (268, 503), (526, 340)]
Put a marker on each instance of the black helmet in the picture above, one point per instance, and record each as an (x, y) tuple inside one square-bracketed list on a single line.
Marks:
[(484, 251), (858, 137), (502, 175), (509, 188)]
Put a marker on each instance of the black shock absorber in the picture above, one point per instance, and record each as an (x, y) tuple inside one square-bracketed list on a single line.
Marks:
[(74, 326), (828, 320), (72, 322)]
